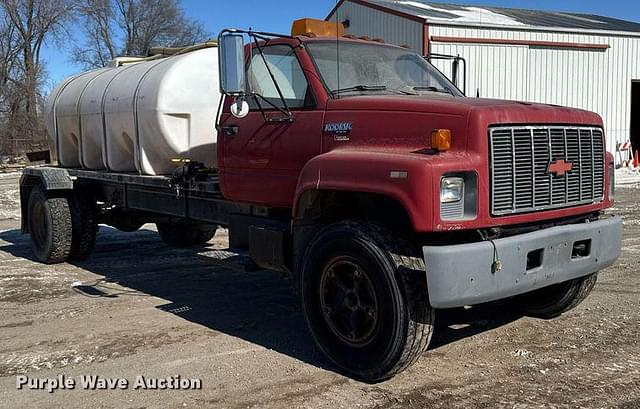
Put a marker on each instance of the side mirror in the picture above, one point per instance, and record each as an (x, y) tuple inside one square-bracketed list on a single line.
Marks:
[(459, 73), (231, 60), (455, 66), (240, 108)]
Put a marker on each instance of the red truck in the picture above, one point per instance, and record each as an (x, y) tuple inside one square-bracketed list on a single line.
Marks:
[(361, 171)]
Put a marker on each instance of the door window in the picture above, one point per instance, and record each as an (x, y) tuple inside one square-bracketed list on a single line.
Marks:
[(284, 65)]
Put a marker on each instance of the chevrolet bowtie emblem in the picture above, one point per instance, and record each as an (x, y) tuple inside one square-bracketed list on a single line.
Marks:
[(559, 168)]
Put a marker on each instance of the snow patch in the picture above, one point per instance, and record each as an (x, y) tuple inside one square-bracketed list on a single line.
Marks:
[(9, 175), (466, 15), (522, 353), (627, 177)]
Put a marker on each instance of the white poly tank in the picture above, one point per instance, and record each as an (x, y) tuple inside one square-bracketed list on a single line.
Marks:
[(65, 108), (94, 154), (137, 117), (121, 143)]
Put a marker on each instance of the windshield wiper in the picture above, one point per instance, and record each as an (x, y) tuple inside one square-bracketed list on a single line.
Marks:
[(432, 89), (360, 88)]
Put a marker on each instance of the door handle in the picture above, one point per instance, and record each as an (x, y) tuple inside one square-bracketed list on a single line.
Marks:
[(230, 130)]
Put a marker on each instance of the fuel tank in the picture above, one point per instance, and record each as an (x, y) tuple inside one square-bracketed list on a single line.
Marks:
[(138, 116)]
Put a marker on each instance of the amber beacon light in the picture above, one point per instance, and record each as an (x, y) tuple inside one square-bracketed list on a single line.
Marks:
[(441, 139), (317, 28)]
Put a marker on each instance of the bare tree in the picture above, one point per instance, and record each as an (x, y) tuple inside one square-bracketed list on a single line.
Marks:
[(34, 21), (112, 28), (27, 24), (8, 54), (131, 27), (9, 50), (100, 34)]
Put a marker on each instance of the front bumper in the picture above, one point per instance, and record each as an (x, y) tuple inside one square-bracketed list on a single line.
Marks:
[(465, 274)]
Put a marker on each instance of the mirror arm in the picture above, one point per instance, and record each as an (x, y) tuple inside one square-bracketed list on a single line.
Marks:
[(435, 56), (266, 37), (286, 111), (219, 112), (269, 36), (464, 76), (264, 114), (288, 116)]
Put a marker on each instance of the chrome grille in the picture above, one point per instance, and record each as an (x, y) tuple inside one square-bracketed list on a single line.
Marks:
[(520, 159)]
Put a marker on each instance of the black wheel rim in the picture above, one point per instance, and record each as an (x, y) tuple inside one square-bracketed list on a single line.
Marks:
[(39, 224), (348, 301)]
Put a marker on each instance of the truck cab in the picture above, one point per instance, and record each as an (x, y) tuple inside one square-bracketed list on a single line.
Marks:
[(361, 171), (355, 129), (362, 114)]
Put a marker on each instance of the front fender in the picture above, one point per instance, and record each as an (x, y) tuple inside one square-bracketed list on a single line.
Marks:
[(371, 172)]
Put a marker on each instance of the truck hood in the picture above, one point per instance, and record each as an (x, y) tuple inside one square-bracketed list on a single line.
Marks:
[(390, 133), (481, 110)]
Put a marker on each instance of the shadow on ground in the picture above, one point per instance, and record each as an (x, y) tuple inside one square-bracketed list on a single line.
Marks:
[(259, 307)]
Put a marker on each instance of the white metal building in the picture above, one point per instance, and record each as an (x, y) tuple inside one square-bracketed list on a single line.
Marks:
[(577, 60)]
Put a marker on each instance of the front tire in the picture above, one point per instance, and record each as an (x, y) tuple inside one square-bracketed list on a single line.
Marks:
[(365, 300), (553, 301)]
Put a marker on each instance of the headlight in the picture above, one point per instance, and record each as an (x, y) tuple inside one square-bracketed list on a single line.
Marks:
[(459, 196), (451, 189)]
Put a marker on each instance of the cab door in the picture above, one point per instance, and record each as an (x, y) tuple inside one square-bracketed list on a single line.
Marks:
[(262, 157)]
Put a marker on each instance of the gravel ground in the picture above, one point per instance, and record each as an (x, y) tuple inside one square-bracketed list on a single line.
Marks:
[(137, 307)]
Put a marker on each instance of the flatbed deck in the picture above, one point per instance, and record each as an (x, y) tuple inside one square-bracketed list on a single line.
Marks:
[(210, 185), (190, 198)]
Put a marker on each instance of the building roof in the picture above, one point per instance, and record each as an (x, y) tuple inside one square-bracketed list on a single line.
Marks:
[(496, 16)]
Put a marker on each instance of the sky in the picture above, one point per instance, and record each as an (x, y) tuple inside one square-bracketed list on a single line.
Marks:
[(277, 16)]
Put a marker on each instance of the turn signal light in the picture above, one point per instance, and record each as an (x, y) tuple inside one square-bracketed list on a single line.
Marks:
[(317, 28), (441, 140)]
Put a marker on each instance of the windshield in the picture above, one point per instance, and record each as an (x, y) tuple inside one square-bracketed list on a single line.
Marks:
[(372, 68)]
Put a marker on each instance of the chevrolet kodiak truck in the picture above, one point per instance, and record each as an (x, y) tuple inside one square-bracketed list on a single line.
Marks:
[(363, 173)]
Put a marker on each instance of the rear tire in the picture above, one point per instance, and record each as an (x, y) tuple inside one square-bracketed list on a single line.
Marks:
[(184, 234), (365, 300), (553, 301), (50, 226), (85, 226)]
